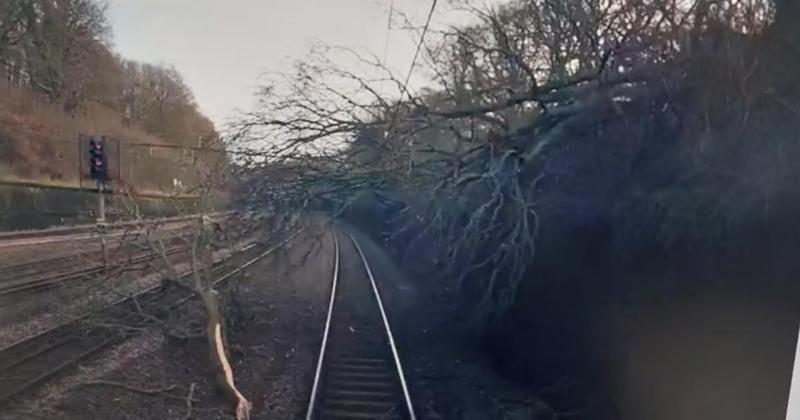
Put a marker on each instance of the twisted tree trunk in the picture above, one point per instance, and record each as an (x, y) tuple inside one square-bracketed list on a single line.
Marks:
[(202, 259), (217, 343)]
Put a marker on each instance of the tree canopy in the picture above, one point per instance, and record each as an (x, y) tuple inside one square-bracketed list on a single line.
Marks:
[(666, 120), (62, 49)]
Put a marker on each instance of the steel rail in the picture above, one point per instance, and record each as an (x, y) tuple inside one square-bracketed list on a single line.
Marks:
[(358, 372), (395, 354), (315, 388)]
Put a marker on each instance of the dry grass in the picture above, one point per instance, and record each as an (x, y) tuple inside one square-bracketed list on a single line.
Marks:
[(24, 106), (39, 144)]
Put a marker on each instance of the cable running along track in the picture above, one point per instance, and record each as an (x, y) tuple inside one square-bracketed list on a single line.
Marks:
[(359, 374)]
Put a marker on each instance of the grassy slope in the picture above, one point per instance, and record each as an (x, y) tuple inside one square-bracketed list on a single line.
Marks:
[(39, 144)]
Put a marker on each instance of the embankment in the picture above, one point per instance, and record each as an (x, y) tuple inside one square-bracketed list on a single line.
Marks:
[(27, 207)]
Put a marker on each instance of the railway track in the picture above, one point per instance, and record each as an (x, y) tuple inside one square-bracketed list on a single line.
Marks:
[(90, 229), (32, 267), (61, 262), (90, 255), (359, 374), (28, 363), (47, 281), (48, 273)]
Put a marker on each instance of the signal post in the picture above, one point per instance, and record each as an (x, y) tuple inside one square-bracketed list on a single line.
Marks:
[(98, 170)]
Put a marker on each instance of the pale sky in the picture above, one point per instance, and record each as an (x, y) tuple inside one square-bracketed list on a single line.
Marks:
[(222, 47)]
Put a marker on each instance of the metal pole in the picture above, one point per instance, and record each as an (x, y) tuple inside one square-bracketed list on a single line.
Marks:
[(119, 160), (80, 163), (101, 204), (101, 221)]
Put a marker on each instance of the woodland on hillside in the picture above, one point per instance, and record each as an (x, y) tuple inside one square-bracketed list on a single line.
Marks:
[(61, 78)]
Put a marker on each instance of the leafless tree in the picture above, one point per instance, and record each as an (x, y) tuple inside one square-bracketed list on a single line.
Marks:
[(471, 164), (184, 255)]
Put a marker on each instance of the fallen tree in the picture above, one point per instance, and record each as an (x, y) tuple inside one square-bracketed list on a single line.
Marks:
[(199, 242), (544, 118)]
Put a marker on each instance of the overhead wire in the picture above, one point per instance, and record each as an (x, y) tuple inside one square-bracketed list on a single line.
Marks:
[(411, 67), (419, 47), (384, 63)]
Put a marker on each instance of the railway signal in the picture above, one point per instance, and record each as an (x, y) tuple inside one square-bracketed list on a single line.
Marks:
[(98, 168)]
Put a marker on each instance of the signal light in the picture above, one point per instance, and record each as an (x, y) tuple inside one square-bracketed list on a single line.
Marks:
[(98, 168)]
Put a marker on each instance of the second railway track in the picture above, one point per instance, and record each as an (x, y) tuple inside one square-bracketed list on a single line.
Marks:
[(359, 374), (46, 280), (30, 362)]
